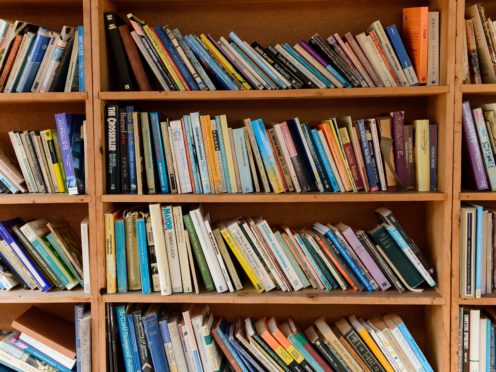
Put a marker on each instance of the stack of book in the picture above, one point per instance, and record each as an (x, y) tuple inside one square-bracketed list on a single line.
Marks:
[(479, 43), (36, 59), (191, 339), (50, 161), (375, 58), (477, 247), (157, 250), (477, 343), (42, 341), (201, 154), (479, 146), (43, 255)]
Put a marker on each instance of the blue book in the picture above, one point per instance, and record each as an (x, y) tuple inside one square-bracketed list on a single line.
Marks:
[(134, 342), (254, 56), (327, 166), (399, 49), (269, 83), (127, 351), (326, 182), (221, 329), (413, 344), (239, 140), (80, 58), (6, 182), (192, 153), (69, 133), (164, 331), (78, 314), (155, 342), (143, 256), (38, 276), (131, 156), (307, 65), (364, 144), (41, 356), (159, 152), (344, 253), (488, 345), (479, 211), (223, 153), (267, 154), (176, 58), (373, 156), (120, 254), (249, 362), (200, 151), (216, 70), (308, 357), (33, 61)]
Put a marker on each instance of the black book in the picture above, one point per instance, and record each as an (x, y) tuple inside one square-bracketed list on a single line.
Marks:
[(274, 54), (325, 352), (4, 188), (123, 147), (60, 75), (118, 52), (301, 163), (112, 149), (110, 355), (118, 359), (293, 79), (324, 178), (144, 353)]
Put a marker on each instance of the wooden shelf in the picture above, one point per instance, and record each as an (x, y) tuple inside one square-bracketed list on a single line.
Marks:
[(278, 198), (489, 300), (228, 95), (43, 199), (309, 296), (478, 88), (52, 97), (477, 196), (54, 296)]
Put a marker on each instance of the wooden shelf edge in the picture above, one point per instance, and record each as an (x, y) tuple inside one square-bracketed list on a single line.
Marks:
[(474, 196), (30, 296), (278, 198), (485, 300), (43, 199), (50, 97), (478, 88), (309, 297), (276, 94)]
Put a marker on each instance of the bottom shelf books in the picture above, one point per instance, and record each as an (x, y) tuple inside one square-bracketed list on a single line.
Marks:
[(476, 347), (43, 341), (193, 339), (156, 249)]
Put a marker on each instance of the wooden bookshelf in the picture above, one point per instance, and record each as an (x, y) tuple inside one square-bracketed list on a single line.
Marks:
[(426, 216)]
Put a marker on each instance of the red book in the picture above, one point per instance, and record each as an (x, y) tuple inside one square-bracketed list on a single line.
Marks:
[(351, 159), (10, 60), (134, 59)]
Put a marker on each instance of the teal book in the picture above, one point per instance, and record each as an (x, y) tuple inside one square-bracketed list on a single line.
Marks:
[(242, 160), (127, 349), (223, 154), (298, 344), (120, 254), (143, 256), (326, 182), (53, 242), (325, 162), (292, 260), (307, 65)]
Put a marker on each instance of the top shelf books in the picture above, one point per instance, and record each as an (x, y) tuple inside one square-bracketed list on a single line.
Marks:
[(304, 56)]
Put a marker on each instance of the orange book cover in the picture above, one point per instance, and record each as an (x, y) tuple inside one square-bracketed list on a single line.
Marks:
[(415, 37), (208, 143), (333, 144), (190, 168)]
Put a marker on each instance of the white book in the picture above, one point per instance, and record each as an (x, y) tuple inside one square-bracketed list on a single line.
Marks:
[(23, 161), (251, 256), (378, 340), (182, 249), (15, 363), (85, 252), (85, 341), (483, 344), (40, 154), (374, 58), (282, 259), (285, 153), (72, 70), (177, 347), (187, 348), (330, 159), (33, 161), (167, 137), (48, 351), (377, 149), (180, 157), (46, 150), (218, 255), (172, 253), (197, 316), (402, 342), (318, 66), (200, 152), (208, 250), (160, 249), (40, 75), (474, 339), (190, 337), (433, 49), (169, 157)]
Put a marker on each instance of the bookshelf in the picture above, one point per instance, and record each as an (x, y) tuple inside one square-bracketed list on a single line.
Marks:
[(35, 111), (426, 216)]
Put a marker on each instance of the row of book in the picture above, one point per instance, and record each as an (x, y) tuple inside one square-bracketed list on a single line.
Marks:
[(43, 255), (50, 161), (37, 59), (202, 154), (157, 250), (477, 343), (39, 340), (477, 247), (193, 339), (375, 58), (479, 57), (479, 146)]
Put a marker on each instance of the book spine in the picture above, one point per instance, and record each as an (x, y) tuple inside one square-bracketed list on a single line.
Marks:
[(155, 343), (134, 343), (143, 256), (80, 59), (120, 254), (410, 156), (402, 55), (64, 131), (400, 162), (125, 338), (166, 339), (148, 153), (124, 75), (373, 181), (131, 154), (112, 149), (433, 149)]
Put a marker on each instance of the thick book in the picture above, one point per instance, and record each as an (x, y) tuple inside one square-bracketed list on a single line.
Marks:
[(415, 31), (112, 149)]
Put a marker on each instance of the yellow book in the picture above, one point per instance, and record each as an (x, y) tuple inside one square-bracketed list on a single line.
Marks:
[(348, 180), (224, 62), (365, 335), (422, 154), (208, 142), (235, 248), (54, 161), (229, 154), (110, 253), (158, 48)]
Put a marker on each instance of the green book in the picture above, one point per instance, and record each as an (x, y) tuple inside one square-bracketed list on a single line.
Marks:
[(198, 252), (395, 257), (53, 242), (292, 260)]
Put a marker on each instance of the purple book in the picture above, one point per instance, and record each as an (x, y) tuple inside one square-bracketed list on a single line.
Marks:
[(364, 256), (399, 147), (472, 150)]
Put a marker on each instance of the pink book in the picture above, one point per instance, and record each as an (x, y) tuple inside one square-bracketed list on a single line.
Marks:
[(358, 65), (364, 256), (350, 39)]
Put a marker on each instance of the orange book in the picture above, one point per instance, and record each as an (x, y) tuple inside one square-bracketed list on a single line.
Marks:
[(10, 60), (208, 143), (263, 331), (190, 168), (373, 37), (336, 153), (415, 35)]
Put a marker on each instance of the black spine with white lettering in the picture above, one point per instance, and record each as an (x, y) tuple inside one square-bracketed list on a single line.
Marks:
[(112, 149)]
